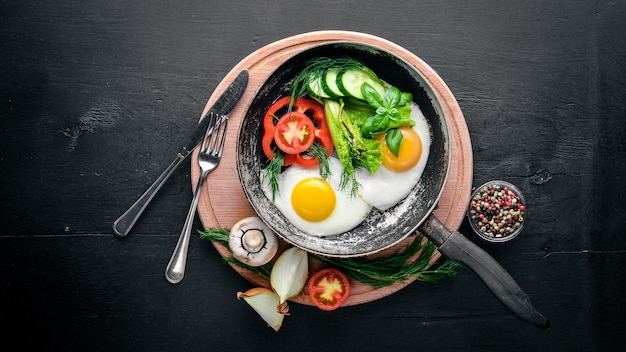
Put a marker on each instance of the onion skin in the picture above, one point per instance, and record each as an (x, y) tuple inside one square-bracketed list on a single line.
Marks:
[(265, 302)]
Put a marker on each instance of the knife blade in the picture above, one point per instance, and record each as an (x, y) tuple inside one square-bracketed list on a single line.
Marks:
[(223, 106)]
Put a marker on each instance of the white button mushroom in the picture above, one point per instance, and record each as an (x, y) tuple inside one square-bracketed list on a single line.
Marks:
[(252, 242)]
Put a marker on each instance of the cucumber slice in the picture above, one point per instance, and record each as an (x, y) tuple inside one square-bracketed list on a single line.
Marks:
[(350, 82), (315, 86), (329, 83)]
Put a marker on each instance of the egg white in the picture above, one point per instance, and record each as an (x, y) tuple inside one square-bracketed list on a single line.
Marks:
[(386, 188), (348, 213)]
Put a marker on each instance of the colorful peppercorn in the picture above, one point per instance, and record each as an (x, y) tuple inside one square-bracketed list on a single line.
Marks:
[(496, 210)]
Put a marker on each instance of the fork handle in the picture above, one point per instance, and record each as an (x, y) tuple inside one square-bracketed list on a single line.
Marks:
[(123, 224), (175, 270)]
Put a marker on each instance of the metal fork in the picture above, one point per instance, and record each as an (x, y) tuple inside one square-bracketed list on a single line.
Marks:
[(208, 158)]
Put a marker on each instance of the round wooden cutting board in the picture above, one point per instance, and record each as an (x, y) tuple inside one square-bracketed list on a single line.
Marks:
[(223, 202)]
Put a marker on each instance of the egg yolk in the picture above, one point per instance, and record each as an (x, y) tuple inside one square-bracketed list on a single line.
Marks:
[(313, 199), (409, 153)]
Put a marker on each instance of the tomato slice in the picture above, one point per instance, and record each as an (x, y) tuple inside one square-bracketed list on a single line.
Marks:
[(328, 288), (314, 109), (294, 133), (314, 112)]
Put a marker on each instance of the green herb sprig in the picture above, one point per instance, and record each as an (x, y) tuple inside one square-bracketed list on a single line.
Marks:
[(387, 111), (271, 172), (316, 68), (376, 273), (385, 271)]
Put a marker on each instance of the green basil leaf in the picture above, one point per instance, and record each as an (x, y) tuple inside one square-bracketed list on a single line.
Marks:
[(391, 97), (374, 124), (394, 140), (371, 95), (381, 122), (393, 114), (366, 128)]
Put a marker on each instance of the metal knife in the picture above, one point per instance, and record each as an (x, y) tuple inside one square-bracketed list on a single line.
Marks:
[(223, 106)]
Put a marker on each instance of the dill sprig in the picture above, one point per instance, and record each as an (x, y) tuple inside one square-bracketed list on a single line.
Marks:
[(385, 271), (273, 169), (320, 153), (376, 273), (349, 179)]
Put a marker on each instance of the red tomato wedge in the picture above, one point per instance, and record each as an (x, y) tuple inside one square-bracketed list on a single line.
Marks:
[(328, 288), (294, 133)]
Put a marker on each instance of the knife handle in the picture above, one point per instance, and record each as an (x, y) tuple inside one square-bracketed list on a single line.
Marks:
[(457, 247), (123, 225)]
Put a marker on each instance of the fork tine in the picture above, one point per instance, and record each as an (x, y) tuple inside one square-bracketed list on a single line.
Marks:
[(223, 139), (209, 131), (216, 142), (211, 142)]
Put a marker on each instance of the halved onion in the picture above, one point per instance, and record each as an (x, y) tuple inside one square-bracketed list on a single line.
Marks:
[(289, 273), (265, 302)]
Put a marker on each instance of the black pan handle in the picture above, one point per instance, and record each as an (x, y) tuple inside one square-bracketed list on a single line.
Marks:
[(455, 246)]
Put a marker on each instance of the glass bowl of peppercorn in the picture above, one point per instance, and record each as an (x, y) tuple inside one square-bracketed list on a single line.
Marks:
[(497, 211)]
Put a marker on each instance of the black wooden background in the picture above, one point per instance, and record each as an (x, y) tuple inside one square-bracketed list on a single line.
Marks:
[(96, 98)]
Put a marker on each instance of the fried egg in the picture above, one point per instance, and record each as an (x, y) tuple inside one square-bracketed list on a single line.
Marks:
[(315, 205), (397, 176)]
